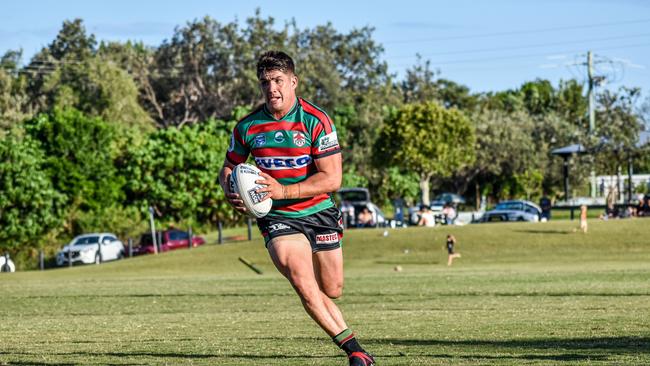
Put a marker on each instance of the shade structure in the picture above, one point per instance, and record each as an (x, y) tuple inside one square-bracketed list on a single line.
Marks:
[(566, 152)]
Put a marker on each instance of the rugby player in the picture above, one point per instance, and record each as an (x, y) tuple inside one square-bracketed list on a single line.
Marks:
[(294, 143)]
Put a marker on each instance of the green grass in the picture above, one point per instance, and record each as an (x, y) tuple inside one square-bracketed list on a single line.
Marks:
[(522, 294)]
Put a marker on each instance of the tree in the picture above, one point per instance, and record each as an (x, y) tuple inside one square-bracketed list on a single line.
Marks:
[(398, 184), (429, 140), (29, 206), (617, 128), (419, 83), (79, 157), (14, 101), (176, 171), (72, 42), (504, 146), (422, 85), (69, 74), (538, 96)]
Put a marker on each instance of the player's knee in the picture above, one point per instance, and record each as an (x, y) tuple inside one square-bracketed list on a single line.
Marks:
[(333, 292)]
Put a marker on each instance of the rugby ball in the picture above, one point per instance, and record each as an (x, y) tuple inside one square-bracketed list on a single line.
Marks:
[(242, 181)]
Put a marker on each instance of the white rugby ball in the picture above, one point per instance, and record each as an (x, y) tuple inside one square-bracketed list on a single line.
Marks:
[(242, 181)]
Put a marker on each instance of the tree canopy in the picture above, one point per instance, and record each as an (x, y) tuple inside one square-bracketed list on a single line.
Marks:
[(93, 132)]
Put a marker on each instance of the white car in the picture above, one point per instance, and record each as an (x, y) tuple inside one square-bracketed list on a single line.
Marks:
[(6, 264), (86, 249), (516, 210)]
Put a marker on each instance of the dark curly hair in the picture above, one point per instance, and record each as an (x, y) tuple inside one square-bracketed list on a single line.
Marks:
[(274, 60)]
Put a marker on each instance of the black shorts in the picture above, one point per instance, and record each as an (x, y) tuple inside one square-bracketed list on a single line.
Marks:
[(450, 249), (324, 229)]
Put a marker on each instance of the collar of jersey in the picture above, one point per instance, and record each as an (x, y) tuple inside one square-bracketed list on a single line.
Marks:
[(293, 108)]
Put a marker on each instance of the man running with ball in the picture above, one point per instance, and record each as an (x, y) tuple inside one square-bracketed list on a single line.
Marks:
[(294, 143)]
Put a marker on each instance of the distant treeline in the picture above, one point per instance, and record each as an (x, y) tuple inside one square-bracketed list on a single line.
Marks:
[(92, 134)]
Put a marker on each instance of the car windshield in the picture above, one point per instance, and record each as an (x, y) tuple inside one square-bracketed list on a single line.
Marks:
[(87, 240), (353, 196), (510, 206)]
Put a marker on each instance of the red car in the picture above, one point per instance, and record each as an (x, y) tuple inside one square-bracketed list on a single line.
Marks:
[(171, 240)]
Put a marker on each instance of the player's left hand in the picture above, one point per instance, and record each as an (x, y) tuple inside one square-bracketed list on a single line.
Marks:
[(272, 187)]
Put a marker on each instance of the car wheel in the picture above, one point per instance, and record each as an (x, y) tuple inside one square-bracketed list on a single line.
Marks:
[(520, 219), (120, 255)]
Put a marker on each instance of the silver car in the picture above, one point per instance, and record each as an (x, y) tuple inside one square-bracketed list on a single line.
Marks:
[(517, 210), (91, 248), (353, 201)]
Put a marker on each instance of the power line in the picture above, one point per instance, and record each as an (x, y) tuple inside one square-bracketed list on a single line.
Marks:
[(480, 60), (481, 50), (519, 32)]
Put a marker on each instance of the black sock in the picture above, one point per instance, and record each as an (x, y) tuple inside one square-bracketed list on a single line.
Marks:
[(347, 342)]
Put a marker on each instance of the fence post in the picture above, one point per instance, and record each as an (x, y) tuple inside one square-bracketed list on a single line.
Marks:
[(189, 234), (220, 226), (250, 229), (99, 251), (153, 230), (130, 241), (159, 241), (41, 260)]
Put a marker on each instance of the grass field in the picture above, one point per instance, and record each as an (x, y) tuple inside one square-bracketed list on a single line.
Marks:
[(522, 294)]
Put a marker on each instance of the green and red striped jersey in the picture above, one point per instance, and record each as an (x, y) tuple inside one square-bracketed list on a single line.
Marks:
[(286, 149)]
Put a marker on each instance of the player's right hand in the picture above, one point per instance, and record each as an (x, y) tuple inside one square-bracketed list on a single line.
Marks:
[(236, 202), (233, 198)]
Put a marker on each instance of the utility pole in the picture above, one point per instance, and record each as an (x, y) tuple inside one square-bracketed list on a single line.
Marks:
[(591, 96), (592, 115), (153, 230)]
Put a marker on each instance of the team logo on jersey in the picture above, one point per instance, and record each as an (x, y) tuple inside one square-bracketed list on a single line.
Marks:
[(260, 140), (328, 141), (283, 162), (278, 137), (299, 139)]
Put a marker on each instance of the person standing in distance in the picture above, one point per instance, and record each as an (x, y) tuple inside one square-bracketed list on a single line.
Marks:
[(294, 143), (451, 241)]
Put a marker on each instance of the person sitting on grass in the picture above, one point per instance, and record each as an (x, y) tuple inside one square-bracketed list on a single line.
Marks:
[(427, 219), (365, 218)]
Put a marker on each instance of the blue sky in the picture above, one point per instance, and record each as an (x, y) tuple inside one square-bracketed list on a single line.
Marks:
[(486, 45)]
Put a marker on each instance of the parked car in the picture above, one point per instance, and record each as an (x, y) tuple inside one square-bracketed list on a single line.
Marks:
[(516, 210), (352, 202), (447, 198), (6, 264), (86, 249), (170, 240)]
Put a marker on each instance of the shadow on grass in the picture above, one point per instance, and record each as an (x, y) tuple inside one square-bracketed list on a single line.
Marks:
[(560, 349), (162, 355), (409, 262), (563, 232), (613, 344), (163, 295), (559, 357), (41, 363)]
